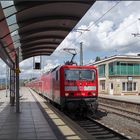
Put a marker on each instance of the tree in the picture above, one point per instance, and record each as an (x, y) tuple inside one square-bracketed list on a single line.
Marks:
[(97, 59)]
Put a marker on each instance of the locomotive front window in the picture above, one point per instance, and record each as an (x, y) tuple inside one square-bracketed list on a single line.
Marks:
[(73, 75)]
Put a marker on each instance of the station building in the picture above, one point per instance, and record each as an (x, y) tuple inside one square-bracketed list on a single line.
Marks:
[(119, 75)]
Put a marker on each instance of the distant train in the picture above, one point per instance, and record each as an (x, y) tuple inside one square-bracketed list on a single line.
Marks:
[(72, 87)]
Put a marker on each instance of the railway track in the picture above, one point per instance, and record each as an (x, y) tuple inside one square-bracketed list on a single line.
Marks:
[(99, 130), (96, 129), (120, 111)]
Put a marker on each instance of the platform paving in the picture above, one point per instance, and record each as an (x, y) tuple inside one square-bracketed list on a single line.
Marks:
[(28, 124), (127, 98)]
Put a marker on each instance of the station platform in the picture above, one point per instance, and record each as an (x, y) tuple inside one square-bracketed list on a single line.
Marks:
[(126, 98), (28, 124), (35, 121)]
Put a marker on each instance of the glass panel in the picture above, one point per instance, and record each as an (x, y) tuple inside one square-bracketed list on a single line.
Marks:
[(123, 69), (101, 70), (123, 86), (9, 11), (130, 69), (11, 20), (13, 27), (16, 45), (111, 69), (111, 85), (79, 75), (136, 69), (118, 68), (103, 85), (129, 86), (14, 33), (134, 86), (15, 38), (5, 4), (115, 67)]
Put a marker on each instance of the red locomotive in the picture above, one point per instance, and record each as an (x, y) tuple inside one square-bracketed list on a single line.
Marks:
[(71, 87)]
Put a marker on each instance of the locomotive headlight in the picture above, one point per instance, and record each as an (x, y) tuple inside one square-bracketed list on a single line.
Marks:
[(66, 94), (93, 94)]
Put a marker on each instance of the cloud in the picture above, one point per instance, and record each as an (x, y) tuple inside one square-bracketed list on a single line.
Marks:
[(130, 53), (103, 37), (112, 33), (26, 64)]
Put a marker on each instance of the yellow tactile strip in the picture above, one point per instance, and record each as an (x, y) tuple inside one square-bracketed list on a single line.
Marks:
[(64, 128)]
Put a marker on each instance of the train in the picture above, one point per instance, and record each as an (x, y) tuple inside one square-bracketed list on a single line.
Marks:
[(71, 87)]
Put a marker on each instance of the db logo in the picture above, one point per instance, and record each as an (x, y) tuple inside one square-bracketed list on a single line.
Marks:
[(81, 88)]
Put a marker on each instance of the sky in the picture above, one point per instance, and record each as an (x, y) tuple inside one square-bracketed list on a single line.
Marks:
[(110, 24)]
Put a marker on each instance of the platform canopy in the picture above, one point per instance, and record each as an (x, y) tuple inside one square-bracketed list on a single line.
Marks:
[(38, 27)]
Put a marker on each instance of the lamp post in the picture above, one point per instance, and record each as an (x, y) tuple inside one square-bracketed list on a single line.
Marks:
[(81, 44), (81, 53)]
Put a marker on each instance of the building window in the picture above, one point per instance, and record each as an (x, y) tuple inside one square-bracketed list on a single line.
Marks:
[(102, 84), (123, 86), (111, 69), (124, 69), (111, 85), (101, 70), (134, 86), (129, 86)]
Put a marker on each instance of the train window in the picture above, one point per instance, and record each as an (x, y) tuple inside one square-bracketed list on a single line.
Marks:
[(79, 75), (86, 75)]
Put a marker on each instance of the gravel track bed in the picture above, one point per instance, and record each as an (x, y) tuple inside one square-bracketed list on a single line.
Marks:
[(128, 127)]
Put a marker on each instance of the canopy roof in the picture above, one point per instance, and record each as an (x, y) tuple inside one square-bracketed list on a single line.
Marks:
[(38, 27)]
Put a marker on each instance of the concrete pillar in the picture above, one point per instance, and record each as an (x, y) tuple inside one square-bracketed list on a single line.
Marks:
[(81, 53)]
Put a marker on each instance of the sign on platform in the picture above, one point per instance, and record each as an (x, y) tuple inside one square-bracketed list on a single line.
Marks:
[(17, 70)]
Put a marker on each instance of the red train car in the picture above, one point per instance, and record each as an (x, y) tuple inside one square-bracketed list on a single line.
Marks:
[(70, 86)]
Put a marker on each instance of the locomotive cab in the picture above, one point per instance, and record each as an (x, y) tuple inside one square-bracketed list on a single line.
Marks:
[(80, 88)]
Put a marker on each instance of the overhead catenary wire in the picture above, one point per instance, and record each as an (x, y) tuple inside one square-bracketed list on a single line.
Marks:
[(123, 29), (95, 22)]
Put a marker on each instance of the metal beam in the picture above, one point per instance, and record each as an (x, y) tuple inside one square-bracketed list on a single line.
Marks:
[(42, 19), (35, 54), (17, 82), (33, 49), (46, 29), (12, 87), (34, 45), (37, 51), (23, 40)]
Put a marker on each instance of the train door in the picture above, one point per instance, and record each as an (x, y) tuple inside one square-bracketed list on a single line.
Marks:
[(111, 88)]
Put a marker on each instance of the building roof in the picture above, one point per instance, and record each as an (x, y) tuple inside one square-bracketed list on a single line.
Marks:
[(115, 57)]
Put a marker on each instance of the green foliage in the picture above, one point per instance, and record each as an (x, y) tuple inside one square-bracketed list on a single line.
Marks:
[(97, 59)]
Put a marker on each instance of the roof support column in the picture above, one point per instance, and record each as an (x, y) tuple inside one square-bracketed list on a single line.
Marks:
[(12, 87), (17, 82)]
